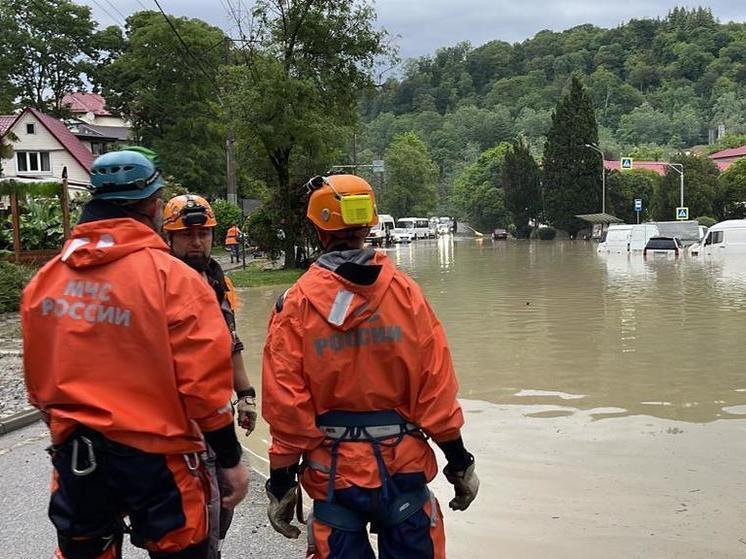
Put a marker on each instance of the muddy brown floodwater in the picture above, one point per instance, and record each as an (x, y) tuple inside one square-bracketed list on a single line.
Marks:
[(605, 397)]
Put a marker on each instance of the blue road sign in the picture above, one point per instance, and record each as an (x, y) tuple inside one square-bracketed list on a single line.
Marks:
[(682, 214), (627, 164), (638, 204)]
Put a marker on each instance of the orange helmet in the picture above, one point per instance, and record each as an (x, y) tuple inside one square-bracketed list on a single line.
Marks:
[(187, 210), (341, 202)]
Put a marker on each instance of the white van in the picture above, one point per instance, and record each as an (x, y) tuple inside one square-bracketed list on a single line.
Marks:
[(419, 226), (726, 237), (616, 239), (380, 234), (640, 235)]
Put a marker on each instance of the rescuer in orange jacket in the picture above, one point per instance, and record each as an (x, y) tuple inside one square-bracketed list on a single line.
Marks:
[(189, 222), (232, 238), (127, 355), (356, 373)]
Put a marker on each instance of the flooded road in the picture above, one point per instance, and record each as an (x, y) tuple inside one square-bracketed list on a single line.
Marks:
[(605, 396)]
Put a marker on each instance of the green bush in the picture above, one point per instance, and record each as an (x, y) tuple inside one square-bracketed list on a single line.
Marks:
[(13, 278), (707, 221), (226, 215), (262, 229), (546, 233)]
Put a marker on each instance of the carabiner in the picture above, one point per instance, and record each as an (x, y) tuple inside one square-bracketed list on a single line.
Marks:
[(91, 458)]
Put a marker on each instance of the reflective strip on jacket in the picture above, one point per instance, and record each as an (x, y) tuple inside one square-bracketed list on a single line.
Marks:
[(338, 345), (128, 340)]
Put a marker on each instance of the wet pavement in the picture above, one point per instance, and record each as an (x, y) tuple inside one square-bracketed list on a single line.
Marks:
[(27, 533)]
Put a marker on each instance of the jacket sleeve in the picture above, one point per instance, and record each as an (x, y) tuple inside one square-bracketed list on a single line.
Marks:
[(201, 350), (437, 410), (287, 405)]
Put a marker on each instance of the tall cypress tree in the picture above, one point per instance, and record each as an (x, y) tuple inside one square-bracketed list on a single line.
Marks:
[(521, 181), (572, 172)]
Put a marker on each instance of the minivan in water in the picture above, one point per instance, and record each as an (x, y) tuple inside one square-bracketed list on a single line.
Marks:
[(616, 239), (380, 234), (726, 237), (640, 235)]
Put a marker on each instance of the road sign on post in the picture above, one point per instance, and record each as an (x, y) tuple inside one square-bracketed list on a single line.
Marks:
[(378, 166), (682, 214), (638, 204), (627, 164)]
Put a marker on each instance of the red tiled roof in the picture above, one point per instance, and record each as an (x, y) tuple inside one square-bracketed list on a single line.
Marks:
[(726, 153), (57, 128), (657, 166), (723, 165), (83, 102), (6, 121)]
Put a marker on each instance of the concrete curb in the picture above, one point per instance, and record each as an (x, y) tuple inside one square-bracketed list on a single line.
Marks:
[(18, 420)]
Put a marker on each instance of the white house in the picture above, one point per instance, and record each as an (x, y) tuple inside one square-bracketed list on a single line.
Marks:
[(43, 147), (91, 108)]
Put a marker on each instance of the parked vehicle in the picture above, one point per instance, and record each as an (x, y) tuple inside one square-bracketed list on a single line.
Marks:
[(726, 237), (500, 234), (666, 247), (419, 226), (617, 239), (445, 226), (424, 229), (380, 234), (402, 235), (641, 234)]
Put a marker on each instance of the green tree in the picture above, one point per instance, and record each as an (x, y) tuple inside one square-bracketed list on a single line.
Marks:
[(700, 188), (44, 49), (572, 172), (622, 188), (478, 193), (730, 202), (521, 181), (170, 97), (293, 97), (410, 178)]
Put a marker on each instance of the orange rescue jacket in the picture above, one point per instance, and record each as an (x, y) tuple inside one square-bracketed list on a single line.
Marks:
[(124, 338), (338, 345), (232, 235)]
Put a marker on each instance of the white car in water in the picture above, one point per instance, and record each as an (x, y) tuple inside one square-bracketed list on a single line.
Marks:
[(402, 235)]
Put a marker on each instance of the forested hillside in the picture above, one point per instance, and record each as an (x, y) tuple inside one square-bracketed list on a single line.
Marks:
[(657, 86)]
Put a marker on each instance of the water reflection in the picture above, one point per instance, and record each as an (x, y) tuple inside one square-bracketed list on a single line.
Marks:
[(557, 324)]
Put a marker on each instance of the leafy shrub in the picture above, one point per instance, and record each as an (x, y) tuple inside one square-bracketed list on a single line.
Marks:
[(707, 221), (546, 233), (13, 278), (226, 215), (263, 232)]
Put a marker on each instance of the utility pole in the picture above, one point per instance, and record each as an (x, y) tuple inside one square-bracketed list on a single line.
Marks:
[(679, 168), (230, 167)]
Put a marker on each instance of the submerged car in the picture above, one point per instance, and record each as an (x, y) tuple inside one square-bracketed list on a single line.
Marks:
[(500, 234), (662, 246)]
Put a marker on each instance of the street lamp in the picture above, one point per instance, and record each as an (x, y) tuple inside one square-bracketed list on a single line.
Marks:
[(679, 168), (603, 174)]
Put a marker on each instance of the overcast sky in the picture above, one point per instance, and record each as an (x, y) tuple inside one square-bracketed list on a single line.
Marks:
[(425, 25)]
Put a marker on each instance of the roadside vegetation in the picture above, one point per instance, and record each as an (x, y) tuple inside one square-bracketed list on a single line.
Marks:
[(255, 276)]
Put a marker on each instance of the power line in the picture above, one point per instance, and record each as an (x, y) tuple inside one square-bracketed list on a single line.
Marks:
[(107, 12), (189, 51), (124, 17)]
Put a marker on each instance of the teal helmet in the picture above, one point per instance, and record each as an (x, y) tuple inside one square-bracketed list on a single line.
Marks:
[(124, 175)]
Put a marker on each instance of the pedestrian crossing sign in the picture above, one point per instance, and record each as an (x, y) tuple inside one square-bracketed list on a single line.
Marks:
[(627, 163), (682, 214)]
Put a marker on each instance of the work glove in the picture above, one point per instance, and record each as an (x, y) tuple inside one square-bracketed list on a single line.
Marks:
[(280, 512), (466, 484), (246, 410)]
